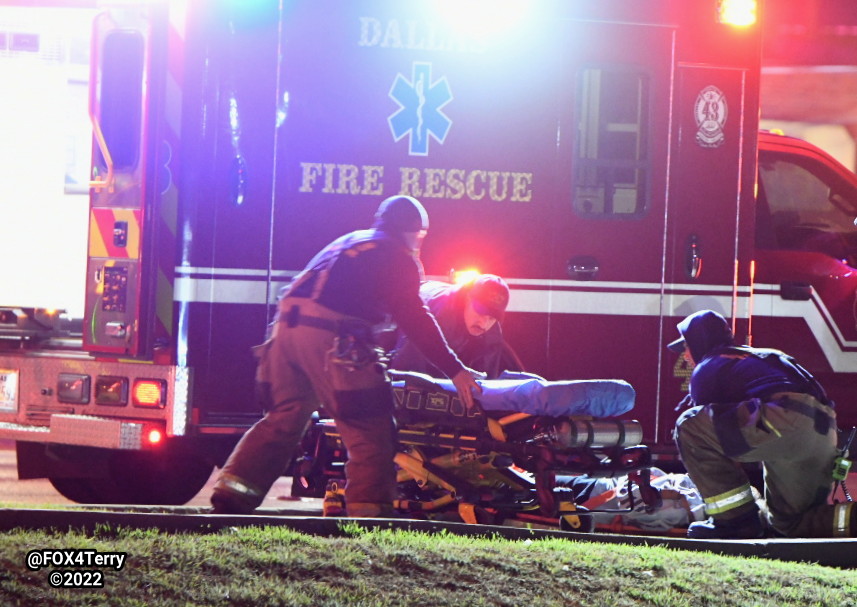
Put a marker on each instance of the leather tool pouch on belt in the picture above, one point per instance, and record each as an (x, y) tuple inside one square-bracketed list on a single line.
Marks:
[(354, 346)]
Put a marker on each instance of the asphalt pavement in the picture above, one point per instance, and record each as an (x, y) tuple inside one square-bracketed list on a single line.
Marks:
[(40, 492)]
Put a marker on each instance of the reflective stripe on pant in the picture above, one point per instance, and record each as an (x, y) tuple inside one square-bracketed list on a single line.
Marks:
[(264, 452), (797, 461), (295, 362), (843, 517), (729, 501)]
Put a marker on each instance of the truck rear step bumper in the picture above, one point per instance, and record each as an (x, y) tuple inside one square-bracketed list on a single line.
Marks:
[(83, 430)]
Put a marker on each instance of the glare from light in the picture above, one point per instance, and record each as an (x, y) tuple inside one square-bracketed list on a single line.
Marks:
[(741, 13), (283, 109), (461, 277), (482, 19)]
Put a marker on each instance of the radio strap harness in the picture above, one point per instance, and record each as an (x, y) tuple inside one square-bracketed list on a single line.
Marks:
[(842, 465)]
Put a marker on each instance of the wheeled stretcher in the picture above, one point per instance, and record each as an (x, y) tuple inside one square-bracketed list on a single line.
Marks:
[(498, 463)]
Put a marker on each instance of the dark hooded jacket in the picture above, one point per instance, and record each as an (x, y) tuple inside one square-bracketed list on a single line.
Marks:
[(725, 373), (486, 353)]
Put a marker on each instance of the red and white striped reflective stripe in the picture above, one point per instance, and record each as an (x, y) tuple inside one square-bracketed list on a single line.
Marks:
[(105, 239)]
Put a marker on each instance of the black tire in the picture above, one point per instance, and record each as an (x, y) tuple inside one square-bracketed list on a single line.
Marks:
[(85, 490), (307, 479), (314, 463), (164, 478), (169, 477)]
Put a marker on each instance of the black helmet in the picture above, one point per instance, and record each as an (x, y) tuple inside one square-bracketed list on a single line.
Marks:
[(401, 214)]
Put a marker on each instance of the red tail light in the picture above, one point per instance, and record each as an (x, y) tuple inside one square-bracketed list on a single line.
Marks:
[(154, 436)]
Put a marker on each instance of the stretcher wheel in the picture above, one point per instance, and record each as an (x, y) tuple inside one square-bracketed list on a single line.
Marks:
[(578, 520)]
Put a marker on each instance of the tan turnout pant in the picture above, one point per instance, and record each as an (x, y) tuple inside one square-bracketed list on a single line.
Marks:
[(793, 436), (296, 362)]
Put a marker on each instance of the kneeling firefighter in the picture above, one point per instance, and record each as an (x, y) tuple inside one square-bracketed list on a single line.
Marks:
[(322, 353), (757, 405)]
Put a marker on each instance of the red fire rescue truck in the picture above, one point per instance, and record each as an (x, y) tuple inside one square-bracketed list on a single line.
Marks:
[(604, 157)]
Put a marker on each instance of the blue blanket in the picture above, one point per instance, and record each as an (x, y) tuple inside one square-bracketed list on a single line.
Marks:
[(528, 393)]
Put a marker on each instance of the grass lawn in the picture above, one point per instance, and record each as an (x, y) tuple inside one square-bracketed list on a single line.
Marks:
[(280, 566)]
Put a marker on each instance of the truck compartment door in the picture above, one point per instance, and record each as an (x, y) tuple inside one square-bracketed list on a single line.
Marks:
[(608, 228), (710, 203), (117, 189)]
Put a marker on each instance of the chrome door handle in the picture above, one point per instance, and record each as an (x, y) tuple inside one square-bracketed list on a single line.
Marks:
[(694, 257)]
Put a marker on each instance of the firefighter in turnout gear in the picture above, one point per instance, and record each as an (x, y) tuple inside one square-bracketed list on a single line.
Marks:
[(322, 353), (756, 405)]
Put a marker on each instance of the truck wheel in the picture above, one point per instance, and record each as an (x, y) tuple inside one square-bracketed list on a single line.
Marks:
[(169, 477), (148, 478), (84, 490)]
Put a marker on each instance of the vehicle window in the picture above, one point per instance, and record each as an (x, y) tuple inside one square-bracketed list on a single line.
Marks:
[(121, 95), (611, 160), (809, 208)]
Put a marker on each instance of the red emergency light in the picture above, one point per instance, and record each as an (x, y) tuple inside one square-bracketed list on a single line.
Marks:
[(741, 13), (461, 277)]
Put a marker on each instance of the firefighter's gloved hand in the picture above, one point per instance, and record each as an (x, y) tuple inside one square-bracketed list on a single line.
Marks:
[(477, 375), (466, 385)]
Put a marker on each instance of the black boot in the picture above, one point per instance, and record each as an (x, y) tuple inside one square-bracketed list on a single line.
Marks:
[(745, 527), (226, 502)]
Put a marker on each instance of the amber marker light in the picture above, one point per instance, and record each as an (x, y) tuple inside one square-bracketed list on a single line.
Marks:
[(149, 393)]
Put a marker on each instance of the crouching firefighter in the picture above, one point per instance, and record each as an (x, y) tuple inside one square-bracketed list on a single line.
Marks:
[(321, 353), (757, 405)]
